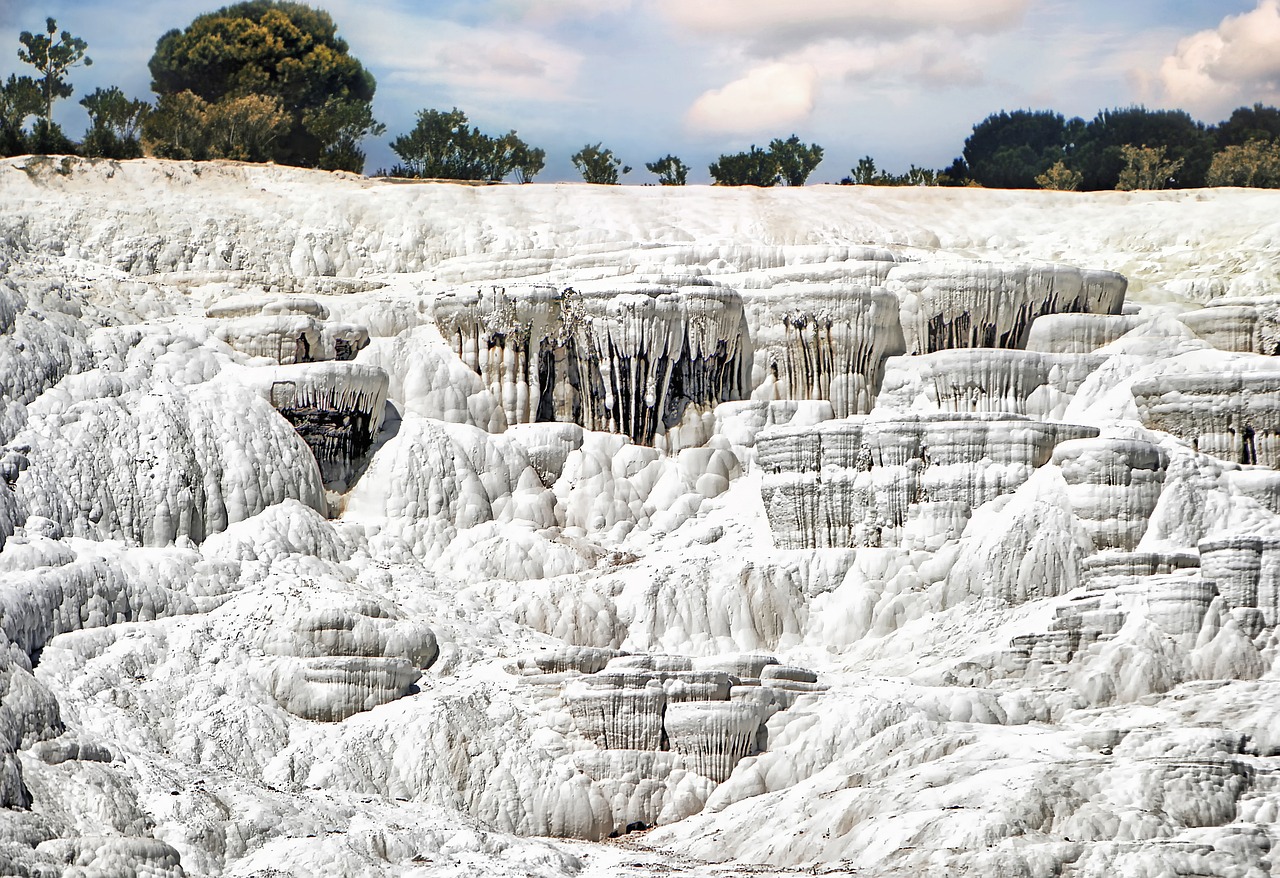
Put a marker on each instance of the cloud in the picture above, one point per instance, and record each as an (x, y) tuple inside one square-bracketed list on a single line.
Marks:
[(542, 11), (474, 61), (767, 97), (1216, 70), (771, 25)]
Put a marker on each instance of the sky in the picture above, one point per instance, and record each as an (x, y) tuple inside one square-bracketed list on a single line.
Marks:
[(903, 81)]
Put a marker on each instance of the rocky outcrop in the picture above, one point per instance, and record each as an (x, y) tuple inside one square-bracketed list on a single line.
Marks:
[(855, 482), (1232, 413), (628, 360)]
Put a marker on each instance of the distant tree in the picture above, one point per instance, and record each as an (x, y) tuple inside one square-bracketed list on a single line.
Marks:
[(280, 50), (920, 177), (755, 167), (1008, 150), (1246, 124), (865, 173), (442, 145), (1060, 177), (19, 100), (1099, 153), (670, 170), (115, 124), (1145, 167), (598, 165), (1255, 164), (796, 160), (527, 161), (52, 59)]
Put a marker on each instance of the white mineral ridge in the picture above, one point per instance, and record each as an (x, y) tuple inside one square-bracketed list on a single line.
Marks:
[(592, 548)]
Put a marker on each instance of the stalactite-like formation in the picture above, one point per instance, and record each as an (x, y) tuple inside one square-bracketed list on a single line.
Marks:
[(992, 305), (626, 361), (1113, 485), (828, 343), (336, 407), (288, 330), (986, 380)]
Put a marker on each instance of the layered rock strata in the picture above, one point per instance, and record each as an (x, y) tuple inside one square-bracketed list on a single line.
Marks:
[(857, 481), (1232, 413)]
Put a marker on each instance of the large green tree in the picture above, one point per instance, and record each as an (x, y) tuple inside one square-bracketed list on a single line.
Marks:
[(1099, 153), (279, 50), (1258, 122), (1009, 150)]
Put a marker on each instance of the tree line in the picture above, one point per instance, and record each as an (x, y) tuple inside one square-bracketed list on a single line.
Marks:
[(270, 80)]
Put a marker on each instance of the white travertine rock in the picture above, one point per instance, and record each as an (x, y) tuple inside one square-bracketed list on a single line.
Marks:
[(428, 380), (1040, 385), (286, 528), (627, 360), (618, 718), (1078, 333), (152, 468), (742, 422), (713, 736), (990, 305), (993, 695), (434, 479), (825, 343), (336, 407), (1113, 485), (1232, 413), (852, 482), (1247, 325)]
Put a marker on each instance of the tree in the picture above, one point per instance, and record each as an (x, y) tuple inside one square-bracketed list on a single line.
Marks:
[(115, 124), (245, 128), (670, 170), (865, 173), (1099, 152), (52, 59), (1248, 123), (19, 100), (527, 161), (340, 124), (1060, 177), (598, 165), (281, 50), (1255, 164), (175, 129), (796, 160), (755, 167), (442, 145), (1008, 150), (1145, 167)]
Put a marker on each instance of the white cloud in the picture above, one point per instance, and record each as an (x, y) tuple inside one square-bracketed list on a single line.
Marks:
[(476, 61), (771, 24), (542, 11), (1216, 70), (766, 98)]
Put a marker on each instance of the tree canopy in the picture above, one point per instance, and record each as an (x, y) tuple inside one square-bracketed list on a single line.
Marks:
[(444, 146), (788, 161), (284, 51), (598, 165)]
